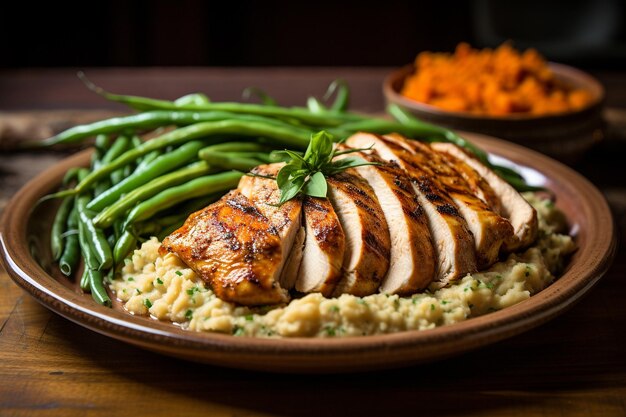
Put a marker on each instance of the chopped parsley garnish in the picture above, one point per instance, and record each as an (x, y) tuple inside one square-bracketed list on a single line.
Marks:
[(180, 274), (444, 302), (334, 309), (432, 307), (147, 302), (159, 281), (138, 290), (249, 317), (361, 301), (130, 279), (188, 314), (238, 331), (192, 291)]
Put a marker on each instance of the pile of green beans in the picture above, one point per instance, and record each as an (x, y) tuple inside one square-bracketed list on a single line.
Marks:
[(136, 189)]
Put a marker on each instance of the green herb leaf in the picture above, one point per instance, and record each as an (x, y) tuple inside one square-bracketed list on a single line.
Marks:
[(316, 186), (306, 174)]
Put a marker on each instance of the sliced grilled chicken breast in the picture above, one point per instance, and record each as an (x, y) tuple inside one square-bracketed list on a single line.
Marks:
[(286, 219), (514, 207), (453, 242), (490, 230), (234, 249), (366, 258), (412, 257), (324, 248)]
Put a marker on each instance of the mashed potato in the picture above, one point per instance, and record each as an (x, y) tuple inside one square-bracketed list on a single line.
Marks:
[(167, 289)]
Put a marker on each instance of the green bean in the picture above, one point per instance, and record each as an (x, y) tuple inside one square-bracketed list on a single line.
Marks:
[(70, 256), (160, 165), (226, 160), (168, 230), (447, 135), (200, 186), (70, 175), (101, 187), (315, 106), (84, 279), (136, 141), (190, 206), (94, 161), (121, 145), (124, 245), (170, 223), (111, 240), (103, 143), (265, 98), (71, 251), (89, 257), (342, 99), (59, 227), (144, 104), (150, 120), (117, 228), (96, 238), (234, 147), (98, 292), (287, 136), (148, 159), (114, 211), (195, 98)]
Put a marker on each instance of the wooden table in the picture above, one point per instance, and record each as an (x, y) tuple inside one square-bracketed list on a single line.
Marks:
[(574, 365)]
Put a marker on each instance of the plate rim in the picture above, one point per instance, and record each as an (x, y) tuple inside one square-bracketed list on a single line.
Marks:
[(224, 349)]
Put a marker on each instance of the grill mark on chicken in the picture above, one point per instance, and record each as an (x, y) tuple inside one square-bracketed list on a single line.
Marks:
[(512, 205), (324, 248), (366, 259), (452, 240), (284, 220), (489, 229), (412, 257), (245, 275)]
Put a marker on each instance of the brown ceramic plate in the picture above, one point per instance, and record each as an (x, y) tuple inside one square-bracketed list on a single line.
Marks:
[(562, 135), (24, 244)]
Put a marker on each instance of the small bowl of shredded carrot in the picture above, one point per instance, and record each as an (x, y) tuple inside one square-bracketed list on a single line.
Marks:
[(515, 95)]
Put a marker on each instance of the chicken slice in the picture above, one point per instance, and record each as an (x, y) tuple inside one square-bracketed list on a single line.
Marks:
[(324, 248), (366, 258), (514, 207), (234, 249), (490, 230), (452, 240), (412, 257), (286, 219)]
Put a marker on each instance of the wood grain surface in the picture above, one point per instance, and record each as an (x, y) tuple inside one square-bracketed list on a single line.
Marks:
[(574, 365)]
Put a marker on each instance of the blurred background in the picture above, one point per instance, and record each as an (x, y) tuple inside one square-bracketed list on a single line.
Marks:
[(587, 33)]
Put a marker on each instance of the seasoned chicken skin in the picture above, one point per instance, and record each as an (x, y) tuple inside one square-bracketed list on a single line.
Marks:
[(235, 249), (264, 194)]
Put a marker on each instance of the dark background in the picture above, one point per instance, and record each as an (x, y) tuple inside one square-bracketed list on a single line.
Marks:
[(590, 34)]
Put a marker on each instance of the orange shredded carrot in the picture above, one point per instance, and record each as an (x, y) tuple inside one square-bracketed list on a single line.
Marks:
[(496, 82)]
